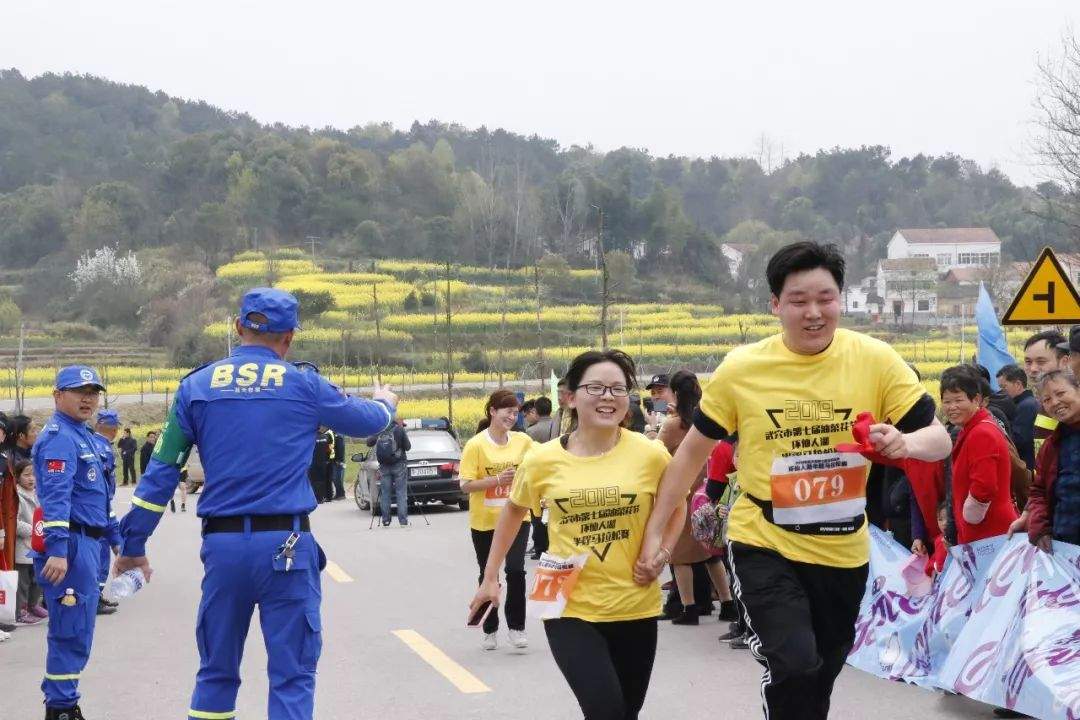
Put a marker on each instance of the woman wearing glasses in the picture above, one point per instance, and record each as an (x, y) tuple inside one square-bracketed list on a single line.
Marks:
[(488, 462), (599, 482)]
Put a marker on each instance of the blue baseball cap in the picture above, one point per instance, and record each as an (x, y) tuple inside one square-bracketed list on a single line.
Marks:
[(281, 309), (108, 417), (77, 376)]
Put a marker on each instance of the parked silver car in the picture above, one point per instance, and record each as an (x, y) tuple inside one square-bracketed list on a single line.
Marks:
[(433, 463)]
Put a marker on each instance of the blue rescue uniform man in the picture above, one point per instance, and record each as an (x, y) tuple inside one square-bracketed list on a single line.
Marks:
[(75, 507), (253, 417), (108, 424)]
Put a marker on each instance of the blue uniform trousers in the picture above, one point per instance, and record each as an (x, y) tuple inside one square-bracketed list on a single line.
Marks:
[(240, 572), (71, 628), (103, 568)]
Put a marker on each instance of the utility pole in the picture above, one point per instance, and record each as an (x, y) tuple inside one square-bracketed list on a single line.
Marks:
[(541, 367), (20, 388), (449, 351), (314, 240), (378, 329), (604, 298)]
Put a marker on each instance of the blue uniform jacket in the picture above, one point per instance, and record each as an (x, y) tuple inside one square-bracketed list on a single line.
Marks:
[(108, 463), (253, 417), (71, 482)]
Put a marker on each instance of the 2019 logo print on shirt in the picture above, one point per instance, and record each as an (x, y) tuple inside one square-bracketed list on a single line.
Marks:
[(597, 529)]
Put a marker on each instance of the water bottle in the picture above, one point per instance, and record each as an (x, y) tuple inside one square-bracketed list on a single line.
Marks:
[(126, 584)]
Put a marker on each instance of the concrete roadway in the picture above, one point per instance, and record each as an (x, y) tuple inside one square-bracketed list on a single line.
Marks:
[(382, 581)]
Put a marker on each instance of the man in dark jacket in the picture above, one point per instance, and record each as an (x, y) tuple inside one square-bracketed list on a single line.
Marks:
[(339, 466), (128, 445), (318, 472), (1013, 380), (147, 451)]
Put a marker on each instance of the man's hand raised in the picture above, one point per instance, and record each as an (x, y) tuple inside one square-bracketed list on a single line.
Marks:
[(383, 392)]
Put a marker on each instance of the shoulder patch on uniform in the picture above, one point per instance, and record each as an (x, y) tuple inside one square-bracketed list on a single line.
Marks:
[(305, 366), (52, 428)]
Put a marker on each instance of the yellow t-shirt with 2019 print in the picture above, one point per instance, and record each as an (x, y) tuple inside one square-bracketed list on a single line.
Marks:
[(597, 506)]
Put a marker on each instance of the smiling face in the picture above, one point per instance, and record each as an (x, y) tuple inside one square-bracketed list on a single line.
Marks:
[(958, 407), (504, 418), (1061, 400), (596, 412), (809, 310), (1041, 358), (78, 403)]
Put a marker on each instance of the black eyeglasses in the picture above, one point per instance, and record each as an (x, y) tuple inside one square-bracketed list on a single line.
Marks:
[(598, 389)]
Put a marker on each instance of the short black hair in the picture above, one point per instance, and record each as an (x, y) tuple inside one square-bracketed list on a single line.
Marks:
[(1053, 338), (981, 369), (527, 406), (543, 406), (962, 378), (1013, 373), (802, 256)]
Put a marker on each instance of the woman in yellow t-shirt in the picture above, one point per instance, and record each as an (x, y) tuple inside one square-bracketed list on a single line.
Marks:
[(599, 482), (488, 462)]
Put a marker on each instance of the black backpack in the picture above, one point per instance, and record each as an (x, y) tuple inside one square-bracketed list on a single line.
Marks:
[(386, 447)]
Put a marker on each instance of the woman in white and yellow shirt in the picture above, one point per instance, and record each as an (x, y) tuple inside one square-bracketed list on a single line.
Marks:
[(599, 482), (488, 462)]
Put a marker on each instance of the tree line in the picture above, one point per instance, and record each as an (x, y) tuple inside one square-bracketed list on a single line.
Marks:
[(89, 163)]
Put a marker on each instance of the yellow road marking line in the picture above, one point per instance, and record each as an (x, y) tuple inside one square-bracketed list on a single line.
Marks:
[(462, 679), (334, 570)]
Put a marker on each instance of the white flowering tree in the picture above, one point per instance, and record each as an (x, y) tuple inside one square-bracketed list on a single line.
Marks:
[(108, 287)]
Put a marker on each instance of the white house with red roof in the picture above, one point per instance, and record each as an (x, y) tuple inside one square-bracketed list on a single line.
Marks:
[(949, 247)]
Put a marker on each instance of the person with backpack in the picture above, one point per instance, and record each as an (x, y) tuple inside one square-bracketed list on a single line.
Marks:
[(390, 448)]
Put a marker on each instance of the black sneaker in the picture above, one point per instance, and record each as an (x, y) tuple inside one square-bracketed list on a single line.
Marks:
[(103, 609), (730, 635), (740, 643), (689, 616)]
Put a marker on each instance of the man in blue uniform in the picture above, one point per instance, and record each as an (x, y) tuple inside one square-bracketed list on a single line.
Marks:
[(108, 423), (253, 417), (74, 498)]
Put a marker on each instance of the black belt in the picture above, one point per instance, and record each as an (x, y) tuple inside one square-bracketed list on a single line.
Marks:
[(87, 530), (259, 523), (840, 527)]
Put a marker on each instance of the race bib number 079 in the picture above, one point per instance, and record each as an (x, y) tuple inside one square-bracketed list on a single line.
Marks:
[(808, 489)]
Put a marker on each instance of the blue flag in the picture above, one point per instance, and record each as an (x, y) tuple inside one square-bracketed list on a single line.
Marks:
[(993, 349)]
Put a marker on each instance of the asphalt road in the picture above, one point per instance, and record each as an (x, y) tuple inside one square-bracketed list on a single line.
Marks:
[(387, 581)]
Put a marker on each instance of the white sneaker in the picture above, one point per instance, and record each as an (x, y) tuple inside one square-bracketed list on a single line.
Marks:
[(490, 642), (4, 636), (518, 639)]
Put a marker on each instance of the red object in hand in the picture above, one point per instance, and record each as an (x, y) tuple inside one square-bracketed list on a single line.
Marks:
[(862, 445)]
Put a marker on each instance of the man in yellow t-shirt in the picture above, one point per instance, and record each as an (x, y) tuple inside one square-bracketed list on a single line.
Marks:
[(797, 535)]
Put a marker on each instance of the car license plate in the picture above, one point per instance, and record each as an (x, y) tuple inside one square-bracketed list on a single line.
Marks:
[(424, 471)]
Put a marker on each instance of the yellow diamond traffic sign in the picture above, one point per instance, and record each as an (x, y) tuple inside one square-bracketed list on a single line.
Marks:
[(1046, 296)]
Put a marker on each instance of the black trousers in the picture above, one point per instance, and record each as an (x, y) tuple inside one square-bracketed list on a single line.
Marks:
[(802, 626), (515, 576), (539, 535), (129, 470), (606, 664)]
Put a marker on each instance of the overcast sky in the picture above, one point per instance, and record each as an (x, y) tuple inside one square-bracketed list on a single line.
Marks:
[(688, 78)]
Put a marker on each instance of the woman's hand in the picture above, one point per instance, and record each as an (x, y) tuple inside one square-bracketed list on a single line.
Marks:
[(651, 561), (488, 591), (506, 477)]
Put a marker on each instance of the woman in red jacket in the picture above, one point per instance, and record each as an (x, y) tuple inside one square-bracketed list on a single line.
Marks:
[(981, 494), (1054, 505)]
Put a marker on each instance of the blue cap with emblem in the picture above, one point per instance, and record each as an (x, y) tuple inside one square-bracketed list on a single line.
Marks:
[(77, 376), (108, 417), (281, 310)]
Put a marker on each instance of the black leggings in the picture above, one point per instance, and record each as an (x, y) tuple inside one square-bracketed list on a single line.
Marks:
[(606, 664), (515, 576)]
